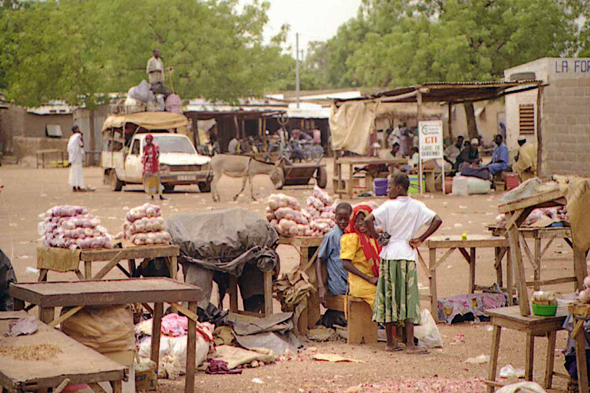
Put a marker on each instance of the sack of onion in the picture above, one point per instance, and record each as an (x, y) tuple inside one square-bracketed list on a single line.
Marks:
[(144, 225)]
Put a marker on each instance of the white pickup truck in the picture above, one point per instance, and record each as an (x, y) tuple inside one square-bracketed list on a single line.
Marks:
[(124, 142)]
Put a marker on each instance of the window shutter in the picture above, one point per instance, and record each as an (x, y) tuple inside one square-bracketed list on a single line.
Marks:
[(526, 116)]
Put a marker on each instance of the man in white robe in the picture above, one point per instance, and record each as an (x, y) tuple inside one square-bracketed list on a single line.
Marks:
[(76, 156)]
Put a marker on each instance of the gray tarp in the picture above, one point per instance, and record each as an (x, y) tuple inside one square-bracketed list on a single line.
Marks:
[(225, 240)]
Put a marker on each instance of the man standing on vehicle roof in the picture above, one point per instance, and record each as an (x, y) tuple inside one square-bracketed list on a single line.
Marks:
[(155, 68), (151, 167)]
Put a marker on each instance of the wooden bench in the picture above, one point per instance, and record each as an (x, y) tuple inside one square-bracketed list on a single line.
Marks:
[(361, 328)]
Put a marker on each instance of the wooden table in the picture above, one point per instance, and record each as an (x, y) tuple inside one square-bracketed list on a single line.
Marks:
[(472, 242), (581, 313), (516, 212), (77, 294), (535, 258), (76, 362), (352, 162), (41, 156), (116, 255), (308, 249), (533, 326)]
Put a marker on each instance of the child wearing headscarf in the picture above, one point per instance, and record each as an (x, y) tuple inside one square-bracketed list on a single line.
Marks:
[(360, 256)]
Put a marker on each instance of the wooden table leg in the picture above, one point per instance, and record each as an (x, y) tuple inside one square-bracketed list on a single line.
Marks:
[(88, 270), (191, 352), (580, 344), (537, 257), (233, 293), (174, 268), (268, 293), (432, 284), (117, 386), (350, 180), (509, 277), (46, 314), (551, 340), (498, 265), (493, 365), (339, 171), (523, 295), (580, 268), (472, 270), (42, 275), (156, 332), (530, 356), (132, 266)]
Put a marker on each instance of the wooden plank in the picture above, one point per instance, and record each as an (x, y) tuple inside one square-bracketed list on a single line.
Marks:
[(479, 241), (335, 302), (139, 252), (530, 321), (189, 384), (268, 293), (432, 285), (493, 365), (88, 270), (107, 268), (423, 264), (465, 255), (79, 275), (509, 276), (157, 332), (555, 198), (299, 241), (174, 267), (122, 269), (472, 259), (441, 260), (550, 363), (117, 386), (103, 292), (42, 275), (46, 314), (554, 281), (528, 253), (523, 297), (96, 388), (233, 293), (580, 268), (542, 252), (581, 310), (65, 316)]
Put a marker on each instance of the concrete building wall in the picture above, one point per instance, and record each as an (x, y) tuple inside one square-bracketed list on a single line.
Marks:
[(565, 114)]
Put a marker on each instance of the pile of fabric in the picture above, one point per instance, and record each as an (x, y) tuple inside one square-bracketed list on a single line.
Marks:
[(74, 228), (144, 225), (292, 290), (288, 218), (173, 344)]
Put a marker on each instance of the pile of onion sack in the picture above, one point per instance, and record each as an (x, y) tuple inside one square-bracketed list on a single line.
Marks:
[(144, 225), (74, 228)]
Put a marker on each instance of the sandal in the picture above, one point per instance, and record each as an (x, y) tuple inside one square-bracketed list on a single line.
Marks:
[(398, 347)]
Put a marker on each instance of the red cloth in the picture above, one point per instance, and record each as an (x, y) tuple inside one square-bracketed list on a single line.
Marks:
[(371, 252), (151, 163)]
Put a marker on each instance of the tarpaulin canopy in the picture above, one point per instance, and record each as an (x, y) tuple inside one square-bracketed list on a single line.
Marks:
[(147, 120), (225, 240)]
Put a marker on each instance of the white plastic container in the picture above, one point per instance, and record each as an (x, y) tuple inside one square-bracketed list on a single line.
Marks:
[(460, 186)]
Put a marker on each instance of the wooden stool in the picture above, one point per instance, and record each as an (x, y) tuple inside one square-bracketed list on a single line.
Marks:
[(533, 326), (361, 328)]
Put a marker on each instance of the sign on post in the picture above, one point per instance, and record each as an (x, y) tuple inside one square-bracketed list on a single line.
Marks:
[(431, 145)]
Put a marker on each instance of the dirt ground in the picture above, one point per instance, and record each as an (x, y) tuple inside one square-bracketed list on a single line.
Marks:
[(29, 192)]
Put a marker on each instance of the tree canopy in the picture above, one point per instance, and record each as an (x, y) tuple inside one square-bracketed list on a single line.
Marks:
[(74, 49)]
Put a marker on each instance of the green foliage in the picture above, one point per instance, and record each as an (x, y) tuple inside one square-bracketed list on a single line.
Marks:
[(73, 49)]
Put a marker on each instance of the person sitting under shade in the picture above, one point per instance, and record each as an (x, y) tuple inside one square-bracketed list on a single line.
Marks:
[(500, 156), (469, 154), (526, 160)]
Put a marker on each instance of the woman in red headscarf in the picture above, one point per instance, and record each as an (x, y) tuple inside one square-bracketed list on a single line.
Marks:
[(360, 256), (151, 167)]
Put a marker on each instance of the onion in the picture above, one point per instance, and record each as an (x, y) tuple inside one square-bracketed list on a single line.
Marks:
[(587, 282), (584, 296)]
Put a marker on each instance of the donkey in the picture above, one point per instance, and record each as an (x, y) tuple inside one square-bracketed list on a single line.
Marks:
[(239, 166)]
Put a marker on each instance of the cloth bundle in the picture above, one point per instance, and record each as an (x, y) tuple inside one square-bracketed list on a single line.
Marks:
[(144, 225), (74, 228)]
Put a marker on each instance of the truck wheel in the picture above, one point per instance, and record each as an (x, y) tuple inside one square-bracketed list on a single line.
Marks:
[(169, 187), (322, 177), (205, 186), (116, 184)]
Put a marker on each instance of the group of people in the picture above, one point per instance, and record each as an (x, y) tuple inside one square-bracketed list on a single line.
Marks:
[(380, 268)]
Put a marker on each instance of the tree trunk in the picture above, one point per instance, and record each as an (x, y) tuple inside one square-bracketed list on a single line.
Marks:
[(471, 123)]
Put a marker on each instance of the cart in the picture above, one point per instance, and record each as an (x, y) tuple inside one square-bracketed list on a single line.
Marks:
[(299, 175)]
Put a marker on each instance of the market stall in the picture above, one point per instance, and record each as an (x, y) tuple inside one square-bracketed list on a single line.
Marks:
[(345, 186), (56, 360), (78, 294)]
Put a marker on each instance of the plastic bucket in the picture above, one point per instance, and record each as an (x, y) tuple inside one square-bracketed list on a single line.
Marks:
[(380, 186), (414, 186)]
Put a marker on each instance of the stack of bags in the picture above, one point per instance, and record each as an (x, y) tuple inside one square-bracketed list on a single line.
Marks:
[(144, 225), (316, 219), (74, 228)]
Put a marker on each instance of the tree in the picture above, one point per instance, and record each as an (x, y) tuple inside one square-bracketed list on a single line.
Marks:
[(460, 40), (73, 49)]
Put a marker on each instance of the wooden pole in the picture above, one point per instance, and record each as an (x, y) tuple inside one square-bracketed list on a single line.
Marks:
[(450, 121), (539, 132), (419, 101)]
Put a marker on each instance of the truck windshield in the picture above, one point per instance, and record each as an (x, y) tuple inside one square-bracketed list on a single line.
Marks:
[(173, 144)]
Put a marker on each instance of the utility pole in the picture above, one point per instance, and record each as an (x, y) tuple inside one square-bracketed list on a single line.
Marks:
[(297, 67)]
